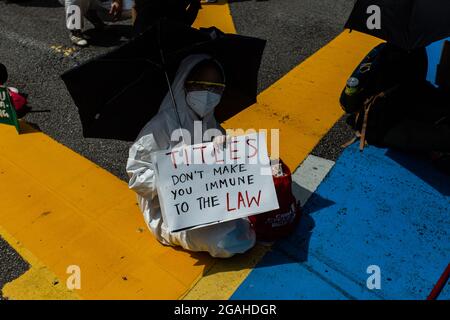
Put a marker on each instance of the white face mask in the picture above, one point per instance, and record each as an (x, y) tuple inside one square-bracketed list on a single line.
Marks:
[(203, 102)]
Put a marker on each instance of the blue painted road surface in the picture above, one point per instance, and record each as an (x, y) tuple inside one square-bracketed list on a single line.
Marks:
[(379, 207)]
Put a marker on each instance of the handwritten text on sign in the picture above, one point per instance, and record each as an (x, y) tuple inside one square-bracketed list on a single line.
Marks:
[(200, 184)]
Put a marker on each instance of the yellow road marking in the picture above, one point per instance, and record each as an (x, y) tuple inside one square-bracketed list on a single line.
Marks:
[(68, 211), (216, 14), (38, 279), (223, 279), (303, 105)]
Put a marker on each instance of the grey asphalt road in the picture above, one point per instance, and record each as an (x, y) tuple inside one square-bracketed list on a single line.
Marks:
[(295, 29), (11, 264)]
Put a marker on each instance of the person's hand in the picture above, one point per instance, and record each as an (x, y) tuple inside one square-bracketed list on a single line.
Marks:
[(116, 9), (219, 141)]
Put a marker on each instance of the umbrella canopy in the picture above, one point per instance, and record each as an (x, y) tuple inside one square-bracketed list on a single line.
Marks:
[(408, 24), (119, 92)]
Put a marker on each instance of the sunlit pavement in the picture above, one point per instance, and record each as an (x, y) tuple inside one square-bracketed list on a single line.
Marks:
[(358, 217)]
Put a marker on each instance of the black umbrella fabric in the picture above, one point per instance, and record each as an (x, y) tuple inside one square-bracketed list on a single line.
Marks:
[(408, 24), (119, 92)]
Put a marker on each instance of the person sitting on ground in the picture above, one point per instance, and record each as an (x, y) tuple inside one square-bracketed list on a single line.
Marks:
[(197, 88), (96, 11)]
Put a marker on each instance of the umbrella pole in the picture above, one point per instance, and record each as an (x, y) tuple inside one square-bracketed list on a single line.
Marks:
[(163, 60), (174, 104)]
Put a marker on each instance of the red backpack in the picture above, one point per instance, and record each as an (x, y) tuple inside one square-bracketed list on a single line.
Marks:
[(279, 223), (19, 101)]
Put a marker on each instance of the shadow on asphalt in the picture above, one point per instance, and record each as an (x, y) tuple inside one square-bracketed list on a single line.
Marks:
[(422, 168), (28, 127), (113, 35)]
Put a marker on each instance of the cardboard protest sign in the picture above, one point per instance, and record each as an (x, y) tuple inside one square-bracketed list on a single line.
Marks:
[(200, 184), (7, 111)]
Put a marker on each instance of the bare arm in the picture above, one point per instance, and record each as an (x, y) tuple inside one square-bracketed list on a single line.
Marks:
[(116, 9)]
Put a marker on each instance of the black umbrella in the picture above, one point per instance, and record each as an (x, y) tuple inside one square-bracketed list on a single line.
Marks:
[(408, 24), (119, 92)]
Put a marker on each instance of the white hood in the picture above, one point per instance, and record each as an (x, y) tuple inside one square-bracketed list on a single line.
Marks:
[(166, 121)]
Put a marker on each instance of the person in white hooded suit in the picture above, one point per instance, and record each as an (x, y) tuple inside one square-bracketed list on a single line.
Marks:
[(197, 89)]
